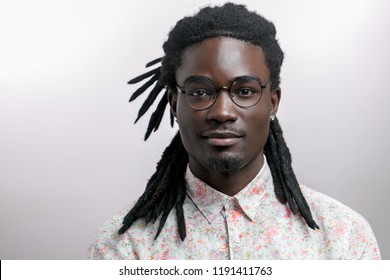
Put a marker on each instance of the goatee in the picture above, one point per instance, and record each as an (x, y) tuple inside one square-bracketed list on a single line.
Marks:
[(224, 165)]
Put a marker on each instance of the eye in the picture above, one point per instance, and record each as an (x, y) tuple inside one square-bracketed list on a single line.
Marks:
[(199, 93), (245, 92)]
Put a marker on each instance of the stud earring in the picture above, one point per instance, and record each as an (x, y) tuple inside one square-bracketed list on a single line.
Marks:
[(272, 117)]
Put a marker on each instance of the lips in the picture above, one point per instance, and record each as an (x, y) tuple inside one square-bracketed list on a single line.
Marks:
[(222, 138)]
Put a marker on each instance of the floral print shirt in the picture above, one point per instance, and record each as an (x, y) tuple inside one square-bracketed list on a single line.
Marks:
[(253, 224)]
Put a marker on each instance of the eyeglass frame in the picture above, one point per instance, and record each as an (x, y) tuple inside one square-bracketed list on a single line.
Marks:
[(228, 89)]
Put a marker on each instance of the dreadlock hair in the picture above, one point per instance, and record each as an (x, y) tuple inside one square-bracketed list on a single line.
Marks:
[(166, 188)]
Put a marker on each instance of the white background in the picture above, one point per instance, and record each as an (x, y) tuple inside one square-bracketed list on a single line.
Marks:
[(70, 157)]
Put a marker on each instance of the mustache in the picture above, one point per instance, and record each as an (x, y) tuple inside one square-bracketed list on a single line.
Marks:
[(223, 130)]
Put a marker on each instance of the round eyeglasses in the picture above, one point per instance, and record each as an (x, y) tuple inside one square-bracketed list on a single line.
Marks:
[(200, 93)]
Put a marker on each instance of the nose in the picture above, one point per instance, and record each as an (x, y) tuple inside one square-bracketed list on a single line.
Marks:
[(223, 110)]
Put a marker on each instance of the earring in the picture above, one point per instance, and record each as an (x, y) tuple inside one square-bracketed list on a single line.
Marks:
[(272, 117)]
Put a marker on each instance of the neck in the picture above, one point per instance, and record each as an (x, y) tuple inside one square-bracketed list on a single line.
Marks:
[(229, 183)]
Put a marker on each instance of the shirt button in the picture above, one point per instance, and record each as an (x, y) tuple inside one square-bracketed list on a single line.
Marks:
[(236, 239), (230, 204)]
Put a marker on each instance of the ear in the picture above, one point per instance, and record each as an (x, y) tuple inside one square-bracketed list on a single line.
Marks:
[(275, 99), (172, 99)]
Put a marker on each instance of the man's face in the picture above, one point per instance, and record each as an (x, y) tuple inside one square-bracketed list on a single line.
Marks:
[(224, 138)]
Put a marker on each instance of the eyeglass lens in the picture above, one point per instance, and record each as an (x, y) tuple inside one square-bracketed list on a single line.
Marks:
[(244, 91)]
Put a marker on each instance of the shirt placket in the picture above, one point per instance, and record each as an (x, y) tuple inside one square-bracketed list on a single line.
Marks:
[(233, 220)]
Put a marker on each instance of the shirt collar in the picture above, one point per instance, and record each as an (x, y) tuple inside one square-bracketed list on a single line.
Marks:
[(210, 202)]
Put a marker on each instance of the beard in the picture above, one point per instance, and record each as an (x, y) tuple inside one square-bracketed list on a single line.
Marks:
[(225, 164)]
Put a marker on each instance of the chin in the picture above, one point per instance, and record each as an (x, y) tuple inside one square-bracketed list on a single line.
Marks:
[(226, 164)]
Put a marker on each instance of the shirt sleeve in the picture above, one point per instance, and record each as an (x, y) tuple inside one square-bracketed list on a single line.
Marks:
[(108, 244), (363, 244), (104, 246)]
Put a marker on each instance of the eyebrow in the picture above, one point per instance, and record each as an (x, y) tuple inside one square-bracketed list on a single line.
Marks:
[(193, 78)]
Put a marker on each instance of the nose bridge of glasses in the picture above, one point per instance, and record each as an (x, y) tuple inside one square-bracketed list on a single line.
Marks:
[(223, 97), (224, 88), (219, 91)]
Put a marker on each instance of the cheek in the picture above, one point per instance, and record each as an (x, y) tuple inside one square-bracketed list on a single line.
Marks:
[(182, 109), (186, 119), (259, 127), (257, 140)]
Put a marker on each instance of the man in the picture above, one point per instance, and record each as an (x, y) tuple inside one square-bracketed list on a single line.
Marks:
[(224, 188)]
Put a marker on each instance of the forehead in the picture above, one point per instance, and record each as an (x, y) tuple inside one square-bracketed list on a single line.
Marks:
[(222, 59)]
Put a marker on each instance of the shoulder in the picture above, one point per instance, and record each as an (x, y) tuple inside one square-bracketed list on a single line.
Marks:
[(322, 204), (329, 211), (106, 240), (339, 222)]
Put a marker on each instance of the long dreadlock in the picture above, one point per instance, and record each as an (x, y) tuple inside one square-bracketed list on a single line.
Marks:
[(166, 188)]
